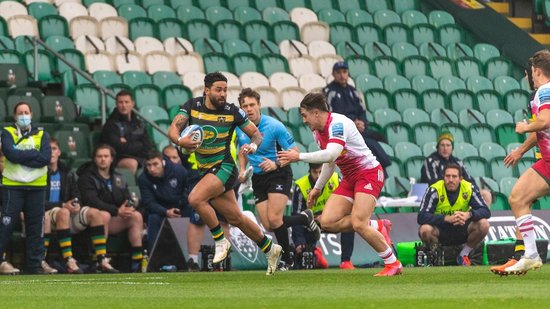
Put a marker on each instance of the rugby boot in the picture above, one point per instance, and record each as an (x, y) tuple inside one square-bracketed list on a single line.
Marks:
[(392, 269), (7, 269), (222, 250), (321, 261), (47, 269), (347, 265), (312, 226), (463, 260), (499, 269), (273, 257), (524, 265), (72, 266), (104, 266)]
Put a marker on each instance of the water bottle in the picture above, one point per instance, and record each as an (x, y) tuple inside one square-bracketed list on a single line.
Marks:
[(421, 259), (168, 268), (144, 262), (11, 78)]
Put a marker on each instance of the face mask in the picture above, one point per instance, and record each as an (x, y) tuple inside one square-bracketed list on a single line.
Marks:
[(24, 121)]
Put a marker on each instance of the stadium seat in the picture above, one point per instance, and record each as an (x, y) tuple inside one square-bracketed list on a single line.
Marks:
[(413, 66), (264, 47), (421, 83), (291, 97), (45, 65), (320, 48), (515, 100), (273, 63), (130, 11), (244, 14), (253, 80), (413, 17), (73, 56), (70, 10), (478, 83), (440, 18), (311, 81), (429, 148), (285, 30), (58, 109), (463, 150), (414, 116), (368, 33), (476, 166), (84, 25), (433, 99), (397, 186), (402, 50), (256, 30), (484, 52), (99, 11), (500, 202), (497, 117), (156, 61), (302, 65), (355, 17), (443, 67), (358, 65), (524, 164), (405, 98), (498, 169), (422, 33), (469, 116), (395, 33), (169, 28), (449, 83), (382, 18), (506, 134), (88, 98), (341, 32), (154, 113), (349, 49), (158, 12), (245, 62), (141, 27), (119, 44), (481, 133), (189, 12), (450, 34), (405, 150), (273, 15), (228, 29), (325, 63), (280, 80), (442, 116), (163, 79), (41, 9), (459, 50), (488, 100), (458, 131), (20, 25), (270, 98), (385, 65), (131, 61), (147, 95), (413, 166), (73, 144), (497, 66), (468, 67), (198, 29), (432, 49), (176, 45), (232, 47), (395, 82), (503, 84), (461, 99), (331, 16), (136, 78), (398, 132), (490, 150), (12, 8), (53, 25), (386, 116), (314, 31), (106, 78)]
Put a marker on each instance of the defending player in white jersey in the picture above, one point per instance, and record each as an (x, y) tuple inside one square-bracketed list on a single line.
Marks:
[(351, 205)]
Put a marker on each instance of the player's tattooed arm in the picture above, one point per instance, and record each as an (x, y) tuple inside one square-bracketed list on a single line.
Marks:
[(178, 124), (255, 139)]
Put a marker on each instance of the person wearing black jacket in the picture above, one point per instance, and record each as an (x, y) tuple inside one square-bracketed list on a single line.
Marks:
[(66, 215), (452, 212), (163, 186), (126, 134), (103, 188)]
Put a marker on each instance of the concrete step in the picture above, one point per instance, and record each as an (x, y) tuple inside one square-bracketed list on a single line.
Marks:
[(523, 23), (542, 38), (500, 7)]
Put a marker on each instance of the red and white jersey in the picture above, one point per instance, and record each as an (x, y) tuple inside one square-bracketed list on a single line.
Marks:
[(355, 156), (542, 101)]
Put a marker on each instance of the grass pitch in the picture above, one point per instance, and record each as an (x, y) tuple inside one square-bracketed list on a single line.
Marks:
[(432, 287)]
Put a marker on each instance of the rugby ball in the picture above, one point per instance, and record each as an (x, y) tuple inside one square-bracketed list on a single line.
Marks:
[(196, 133)]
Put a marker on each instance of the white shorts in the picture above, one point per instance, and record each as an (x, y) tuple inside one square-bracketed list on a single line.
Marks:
[(78, 222)]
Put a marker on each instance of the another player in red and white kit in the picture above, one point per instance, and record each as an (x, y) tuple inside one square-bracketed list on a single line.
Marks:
[(535, 181), (351, 205)]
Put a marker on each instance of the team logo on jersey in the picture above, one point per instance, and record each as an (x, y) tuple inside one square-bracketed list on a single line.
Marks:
[(279, 187), (465, 195), (441, 198), (173, 182), (210, 134), (221, 119), (6, 220), (338, 130), (118, 181), (368, 186)]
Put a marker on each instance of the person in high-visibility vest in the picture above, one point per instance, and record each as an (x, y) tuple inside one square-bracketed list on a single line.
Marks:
[(27, 154)]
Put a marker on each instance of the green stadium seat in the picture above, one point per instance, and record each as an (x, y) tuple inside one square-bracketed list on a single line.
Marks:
[(520, 115), (469, 116), (235, 46), (107, 78), (413, 17), (32, 101), (227, 30), (127, 175), (204, 46), (488, 100), (430, 50), (346, 5), (163, 79), (118, 3), (245, 62), (158, 12), (173, 111), (484, 52), (58, 109), (397, 186), (341, 32), (497, 66), (478, 83), (420, 83), (443, 116), (215, 14), (443, 67), (257, 30), (45, 65), (481, 133), (377, 98), (205, 4), (365, 82), (461, 99), (3, 27), (450, 34), (468, 67), (358, 65), (235, 4), (376, 49), (175, 95), (115, 88), (504, 84), (305, 135), (413, 167), (382, 18), (506, 134), (73, 144), (515, 100), (489, 150), (199, 29), (429, 148), (349, 49), (524, 164), (264, 47), (273, 15), (459, 50), (451, 83), (405, 150), (154, 113), (413, 66), (385, 65), (387, 149), (497, 117), (57, 42), (368, 33), (498, 169), (188, 13), (396, 167), (331, 16), (463, 150), (288, 5), (386, 116), (458, 131), (422, 33), (476, 166), (525, 84), (245, 14), (53, 25), (141, 26), (10, 56), (147, 95), (395, 33), (433, 99), (440, 18), (398, 132), (130, 11), (500, 202), (41, 9), (88, 98), (136, 78), (415, 116), (216, 62), (355, 17), (273, 63), (285, 30), (6, 42), (395, 82), (170, 28), (24, 44), (402, 50), (405, 98)]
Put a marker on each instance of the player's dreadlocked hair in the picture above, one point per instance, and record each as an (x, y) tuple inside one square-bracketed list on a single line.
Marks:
[(211, 78)]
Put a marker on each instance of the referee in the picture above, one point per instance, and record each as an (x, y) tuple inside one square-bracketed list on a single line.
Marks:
[(271, 182)]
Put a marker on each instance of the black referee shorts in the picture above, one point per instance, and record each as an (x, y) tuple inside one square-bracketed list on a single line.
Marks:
[(279, 181)]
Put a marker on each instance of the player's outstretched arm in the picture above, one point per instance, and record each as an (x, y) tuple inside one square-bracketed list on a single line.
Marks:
[(542, 122)]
